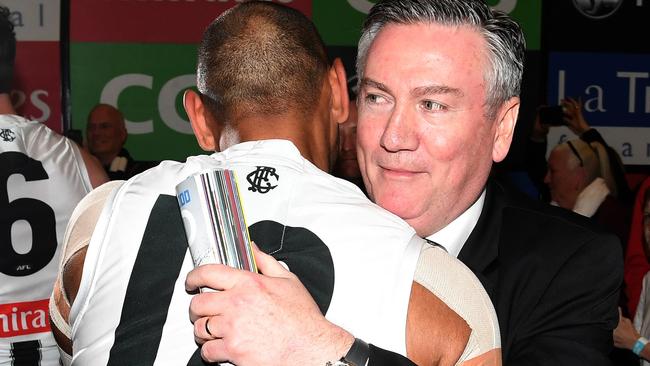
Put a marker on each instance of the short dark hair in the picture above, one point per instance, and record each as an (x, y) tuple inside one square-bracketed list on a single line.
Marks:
[(7, 50), (261, 58)]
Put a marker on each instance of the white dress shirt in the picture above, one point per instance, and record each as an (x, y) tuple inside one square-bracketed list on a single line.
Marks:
[(453, 236)]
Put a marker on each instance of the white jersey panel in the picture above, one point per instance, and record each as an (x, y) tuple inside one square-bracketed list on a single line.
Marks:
[(356, 259), (42, 178)]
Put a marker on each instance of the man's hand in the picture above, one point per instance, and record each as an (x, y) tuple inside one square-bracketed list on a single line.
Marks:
[(261, 319), (573, 116), (625, 335)]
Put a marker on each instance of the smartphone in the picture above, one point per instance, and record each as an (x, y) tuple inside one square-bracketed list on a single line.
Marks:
[(552, 116)]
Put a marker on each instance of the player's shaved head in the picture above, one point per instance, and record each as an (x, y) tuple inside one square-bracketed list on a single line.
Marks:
[(260, 58)]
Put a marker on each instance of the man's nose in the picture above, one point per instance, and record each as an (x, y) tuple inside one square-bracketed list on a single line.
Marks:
[(400, 133)]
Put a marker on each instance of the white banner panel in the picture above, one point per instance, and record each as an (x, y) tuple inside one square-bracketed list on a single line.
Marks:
[(631, 143), (35, 20)]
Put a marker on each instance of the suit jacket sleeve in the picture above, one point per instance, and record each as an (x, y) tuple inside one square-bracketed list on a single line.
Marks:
[(382, 357), (573, 322)]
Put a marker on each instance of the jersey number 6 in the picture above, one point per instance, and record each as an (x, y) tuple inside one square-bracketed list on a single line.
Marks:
[(39, 215)]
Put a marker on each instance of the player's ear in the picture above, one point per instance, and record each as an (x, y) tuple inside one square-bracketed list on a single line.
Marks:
[(340, 102), (202, 124)]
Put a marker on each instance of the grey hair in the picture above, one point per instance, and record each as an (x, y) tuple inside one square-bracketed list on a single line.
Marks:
[(593, 157), (503, 36)]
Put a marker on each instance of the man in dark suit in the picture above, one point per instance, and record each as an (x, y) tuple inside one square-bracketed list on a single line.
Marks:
[(553, 279), (438, 102)]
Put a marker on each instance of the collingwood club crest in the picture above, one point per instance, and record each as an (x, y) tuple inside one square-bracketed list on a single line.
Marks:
[(7, 135), (263, 179), (597, 9)]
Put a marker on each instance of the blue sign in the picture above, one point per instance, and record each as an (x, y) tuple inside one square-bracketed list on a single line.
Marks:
[(615, 88)]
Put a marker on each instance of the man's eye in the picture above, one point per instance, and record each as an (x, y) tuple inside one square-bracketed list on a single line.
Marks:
[(430, 105), (372, 98)]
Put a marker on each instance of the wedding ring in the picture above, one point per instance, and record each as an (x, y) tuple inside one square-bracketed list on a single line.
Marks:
[(207, 327)]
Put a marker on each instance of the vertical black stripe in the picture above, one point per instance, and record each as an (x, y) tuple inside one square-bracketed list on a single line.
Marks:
[(26, 353), (64, 47), (151, 286)]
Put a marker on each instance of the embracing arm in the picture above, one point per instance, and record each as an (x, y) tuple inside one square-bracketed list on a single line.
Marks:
[(78, 233), (287, 323)]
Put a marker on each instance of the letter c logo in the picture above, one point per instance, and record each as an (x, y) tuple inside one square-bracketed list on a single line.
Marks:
[(506, 6), (361, 5)]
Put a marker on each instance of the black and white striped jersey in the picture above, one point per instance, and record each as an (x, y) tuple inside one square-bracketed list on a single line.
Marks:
[(356, 259), (42, 178)]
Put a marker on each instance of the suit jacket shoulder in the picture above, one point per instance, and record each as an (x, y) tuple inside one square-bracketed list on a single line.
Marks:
[(552, 275)]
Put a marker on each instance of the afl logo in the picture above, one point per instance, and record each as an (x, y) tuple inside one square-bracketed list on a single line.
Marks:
[(597, 9)]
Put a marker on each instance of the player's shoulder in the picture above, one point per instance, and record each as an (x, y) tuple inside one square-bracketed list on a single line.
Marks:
[(458, 287), (17, 129)]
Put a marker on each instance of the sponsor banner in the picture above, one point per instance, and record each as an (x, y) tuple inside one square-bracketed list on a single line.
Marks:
[(36, 93), (631, 143), (146, 82), (172, 21), (35, 20), (22, 318), (340, 21), (596, 25), (615, 88), (527, 13), (36, 90)]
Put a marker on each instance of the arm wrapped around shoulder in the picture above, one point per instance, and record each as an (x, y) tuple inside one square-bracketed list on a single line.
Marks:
[(456, 293)]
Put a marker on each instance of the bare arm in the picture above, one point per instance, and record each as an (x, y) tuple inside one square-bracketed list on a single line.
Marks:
[(435, 334), (78, 233)]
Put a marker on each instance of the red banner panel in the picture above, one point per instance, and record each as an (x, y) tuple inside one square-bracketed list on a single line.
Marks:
[(36, 90), (162, 21)]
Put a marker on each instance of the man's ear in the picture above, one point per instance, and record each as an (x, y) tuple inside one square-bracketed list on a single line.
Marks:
[(340, 102), (201, 124), (505, 128)]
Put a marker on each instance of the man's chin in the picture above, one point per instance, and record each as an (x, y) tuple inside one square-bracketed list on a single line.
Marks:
[(398, 205)]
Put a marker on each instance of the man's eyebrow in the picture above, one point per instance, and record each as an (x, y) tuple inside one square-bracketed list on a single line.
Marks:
[(366, 82), (436, 89)]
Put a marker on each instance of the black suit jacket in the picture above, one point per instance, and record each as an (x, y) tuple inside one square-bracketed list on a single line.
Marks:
[(553, 277)]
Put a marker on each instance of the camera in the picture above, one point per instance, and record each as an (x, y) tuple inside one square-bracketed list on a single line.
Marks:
[(552, 116)]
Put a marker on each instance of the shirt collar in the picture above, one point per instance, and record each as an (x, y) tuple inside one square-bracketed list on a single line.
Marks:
[(453, 236)]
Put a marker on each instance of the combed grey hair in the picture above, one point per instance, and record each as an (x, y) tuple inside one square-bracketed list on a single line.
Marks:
[(503, 36)]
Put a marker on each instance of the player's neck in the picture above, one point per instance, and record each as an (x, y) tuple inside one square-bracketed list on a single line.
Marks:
[(6, 107), (309, 139)]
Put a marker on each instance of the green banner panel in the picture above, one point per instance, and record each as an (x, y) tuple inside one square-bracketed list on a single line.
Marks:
[(340, 21), (146, 82)]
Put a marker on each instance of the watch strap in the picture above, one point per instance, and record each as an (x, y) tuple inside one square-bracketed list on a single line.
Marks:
[(358, 353)]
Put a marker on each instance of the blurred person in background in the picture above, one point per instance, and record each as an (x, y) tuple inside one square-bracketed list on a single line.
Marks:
[(106, 135), (42, 177), (634, 335), (347, 166), (571, 115), (579, 179)]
